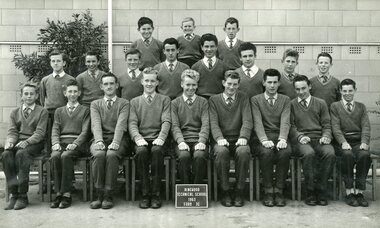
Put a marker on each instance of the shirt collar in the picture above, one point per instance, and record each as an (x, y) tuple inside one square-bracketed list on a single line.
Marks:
[(253, 70), (227, 40), (328, 75), (174, 63), (226, 97), (137, 72), (205, 60), (191, 35), (75, 105), (150, 39), (345, 102), (146, 95), (26, 106), (113, 98), (96, 73), (185, 97), (307, 100), (60, 74), (267, 96)]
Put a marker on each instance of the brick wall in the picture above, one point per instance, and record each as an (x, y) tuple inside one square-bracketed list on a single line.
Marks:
[(299, 21)]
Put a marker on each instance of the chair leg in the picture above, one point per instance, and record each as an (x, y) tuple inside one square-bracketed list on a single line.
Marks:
[(299, 167), (374, 167), (292, 171), (126, 173), (40, 179), (251, 180), (91, 182), (209, 178), (215, 183), (167, 178), (133, 190), (257, 173), (334, 182), (173, 174), (6, 191), (48, 180), (83, 165)]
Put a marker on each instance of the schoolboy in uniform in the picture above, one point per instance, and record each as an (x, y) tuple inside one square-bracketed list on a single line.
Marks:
[(150, 48), (311, 133), (130, 82), (69, 136), (231, 126), (251, 76), (169, 71), (190, 129), (109, 124), (271, 115), (89, 81), (189, 44), (228, 49), (352, 130), (325, 86), (211, 69), (149, 125), (25, 140), (289, 61)]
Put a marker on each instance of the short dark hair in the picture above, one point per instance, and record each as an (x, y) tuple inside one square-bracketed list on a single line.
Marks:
[(324, 54), (28, 84), (300, 78), (109, 74), (143, 21), (94, 52), (58, 52), (70, 82), (171, 41), (271, 72), (347, 81), (133, 51), (231, 20), (208, 37), (231, 74), (290, 52), (247, 46)]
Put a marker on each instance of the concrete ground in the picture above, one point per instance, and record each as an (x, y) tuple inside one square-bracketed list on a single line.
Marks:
[(127, 214)]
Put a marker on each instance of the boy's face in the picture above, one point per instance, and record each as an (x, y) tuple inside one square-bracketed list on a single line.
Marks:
[(171, 52), (57, 63), (133, 61), (189, 86), (323, 65), (302, 89), (92, 63), (149, 82), (209, 49), (109, 86), (146, 31), (231, 30), (188, 27), (247, 58), (29, 95), (230, 86), (271, 85), (290, 64), (348, 92), (72, 93)]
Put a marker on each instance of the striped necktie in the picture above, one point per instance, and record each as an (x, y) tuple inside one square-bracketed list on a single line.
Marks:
[(291, 77), (271, 100), (109, 103), (149, 98), (229, 101), (324, 78), (189, 101), (27, 111), (171, 67), (231, 43), (248, 70), (133, 73), (71, 109), (147, 42), (349, 106), (209, 63), (303, 102)]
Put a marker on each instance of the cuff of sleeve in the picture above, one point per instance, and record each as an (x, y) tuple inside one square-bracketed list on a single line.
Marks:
[(180, 140)]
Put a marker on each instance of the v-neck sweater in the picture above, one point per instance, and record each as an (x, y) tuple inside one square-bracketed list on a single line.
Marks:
[(328, 91), (51, 91), (90, 87), (251, 86), (170, 82), (151, 54), (230, 56)]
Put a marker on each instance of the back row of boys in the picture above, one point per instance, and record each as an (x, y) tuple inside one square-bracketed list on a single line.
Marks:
[(230, 120)]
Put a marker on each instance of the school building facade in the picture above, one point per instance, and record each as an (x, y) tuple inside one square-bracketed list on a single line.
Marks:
[(347, 29)]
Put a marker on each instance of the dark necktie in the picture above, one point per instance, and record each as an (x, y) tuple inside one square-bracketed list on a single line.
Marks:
[(189, 101), (71, 109), (349, 106), (171, 67), (248, 70), (291, 77), (147, 42), (188, 37), (209, 63), (133, 73), (303, 103), (271, 100), (109, 103), (149, 97), (231, 42), (324, 78), (229, 101), (27, 112)]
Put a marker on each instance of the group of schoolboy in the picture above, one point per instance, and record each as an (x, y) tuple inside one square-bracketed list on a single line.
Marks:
[(178, 92)]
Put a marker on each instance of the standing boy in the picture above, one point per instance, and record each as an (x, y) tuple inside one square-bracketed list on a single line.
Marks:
[(351, 128), (311, 132), (90, 80), (251, 77), (289, 61), (130, 82), (109, 124), (325, 86), (228, 49), (190, 129), (231, 126), (25, 140), (149, 125), (150, 48), (69, 136), (169, 71), (189, 44), (211, 69), (271, 114)]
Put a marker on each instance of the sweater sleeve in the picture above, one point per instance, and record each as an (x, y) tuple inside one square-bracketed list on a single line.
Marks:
[(325, 120), (285, 120), (257, 118), (247, 125), (133, 122), (294, 133), (85, 129), (176, 129), (40, 132), (42, 90), (366, 127), (56, 129), (122, 122), (96, 122), (205, 127), (13, 132), (214, 122), (336, 125), (165, 119)]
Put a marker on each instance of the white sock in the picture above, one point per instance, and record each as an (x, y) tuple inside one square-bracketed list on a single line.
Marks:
[(359, 191)]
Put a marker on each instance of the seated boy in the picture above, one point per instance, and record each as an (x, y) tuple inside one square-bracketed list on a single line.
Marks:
[(109, 125), (251, 76), (190, 129), (231, 127), (130, 82), (150, 48), (228, 49), (149, 125), (211, 69), (90, 80), (69, 135), (352, 130), (25, 140), (169, 71), (289, 61), (189, 44), (325, 86), (271, 114)]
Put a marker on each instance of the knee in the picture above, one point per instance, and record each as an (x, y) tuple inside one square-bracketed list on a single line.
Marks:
[(243, 152), (22, 153), (111, 154), (55, 156), (157, 150), (199, 154), (99, 154), (306, 151), (142, 152), (329, 152), (364, 154), (266, 153), (347, 154), (221, 152), (184, 155), (7, 154)]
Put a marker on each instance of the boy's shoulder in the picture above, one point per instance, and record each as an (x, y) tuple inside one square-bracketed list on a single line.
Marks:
[(122, 100), (44, 79)]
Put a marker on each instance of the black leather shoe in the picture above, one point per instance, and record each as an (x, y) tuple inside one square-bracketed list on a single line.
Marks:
[(268, 200), (226, 200), (361, 201), (239, 199), (279, 200), (56, 202), (145, 202), (107, 203), (65, 202), (11, 203), (322, 200), (311, 199), (21, 202), (351, 200), (156, 202)]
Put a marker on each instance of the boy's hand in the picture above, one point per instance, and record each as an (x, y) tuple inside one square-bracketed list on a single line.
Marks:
[(200, 146), (56, 147), (141, 142), (71, 146), (241, 142), (183, 146), (267, 144), (324, 140), (158, 142), (364, 146), (304, 140), (113, 146), (8, 145), (22, 144), (282, 144), (223, 142), (100, 146), (346, 146)]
